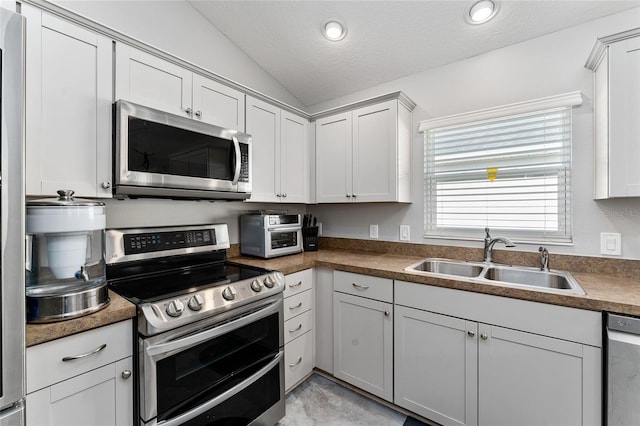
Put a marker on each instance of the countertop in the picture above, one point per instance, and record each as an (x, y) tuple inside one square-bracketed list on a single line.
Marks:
[(616, 288), (118, 309), (603, 292)]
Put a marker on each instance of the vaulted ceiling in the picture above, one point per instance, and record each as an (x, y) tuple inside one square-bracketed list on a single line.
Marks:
[(386, 40)]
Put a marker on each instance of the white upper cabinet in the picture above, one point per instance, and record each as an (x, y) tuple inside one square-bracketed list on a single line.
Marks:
[(69, 84), (151, 81), (363, 154), (280, 153), (615, 61)]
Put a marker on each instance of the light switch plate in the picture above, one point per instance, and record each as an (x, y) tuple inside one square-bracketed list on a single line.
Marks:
[(610, 243), (373, 231), (405, 233)]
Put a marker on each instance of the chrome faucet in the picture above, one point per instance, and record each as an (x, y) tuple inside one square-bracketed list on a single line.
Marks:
[(544, 259), (490, 242)]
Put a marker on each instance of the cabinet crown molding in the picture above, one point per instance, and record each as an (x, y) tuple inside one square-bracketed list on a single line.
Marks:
[(400, 96), (601, 44)]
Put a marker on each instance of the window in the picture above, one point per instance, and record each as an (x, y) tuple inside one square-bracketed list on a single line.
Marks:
[(507, 168)]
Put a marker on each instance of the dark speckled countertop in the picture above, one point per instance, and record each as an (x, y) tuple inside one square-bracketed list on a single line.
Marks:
[(610, 284)]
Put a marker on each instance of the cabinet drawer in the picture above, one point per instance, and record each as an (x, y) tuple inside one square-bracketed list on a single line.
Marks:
[(45, 365), (298, 359), (364, 286), (298, 282), (295, 305), (297, 326)]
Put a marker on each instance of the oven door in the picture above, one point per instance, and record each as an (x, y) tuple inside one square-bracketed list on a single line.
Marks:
[(282, 241), (227, 371)]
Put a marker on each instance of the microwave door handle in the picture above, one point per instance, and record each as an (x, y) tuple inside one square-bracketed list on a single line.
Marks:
[(238, 163)]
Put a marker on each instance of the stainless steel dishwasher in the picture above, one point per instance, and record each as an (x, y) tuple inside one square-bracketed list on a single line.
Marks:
[(622, 370)]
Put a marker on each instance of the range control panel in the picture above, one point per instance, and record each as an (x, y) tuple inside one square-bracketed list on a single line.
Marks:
[(124, 245), (159, 241)]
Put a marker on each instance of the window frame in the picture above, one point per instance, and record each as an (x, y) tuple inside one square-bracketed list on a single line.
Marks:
[(564, 235)]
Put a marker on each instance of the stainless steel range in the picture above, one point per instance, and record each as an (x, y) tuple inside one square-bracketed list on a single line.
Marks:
[(210, 332)]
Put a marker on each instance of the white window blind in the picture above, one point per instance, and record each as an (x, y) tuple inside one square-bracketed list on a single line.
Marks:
[(510, 173)]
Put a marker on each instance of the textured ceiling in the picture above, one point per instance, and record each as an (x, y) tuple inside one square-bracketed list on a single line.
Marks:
[(386, 39)]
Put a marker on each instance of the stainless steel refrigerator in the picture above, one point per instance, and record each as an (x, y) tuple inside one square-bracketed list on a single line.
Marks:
[(12, 302)]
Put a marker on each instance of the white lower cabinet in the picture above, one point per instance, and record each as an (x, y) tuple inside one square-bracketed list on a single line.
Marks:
[(363, 334), (464, 371), (298, 328), (84, 379)]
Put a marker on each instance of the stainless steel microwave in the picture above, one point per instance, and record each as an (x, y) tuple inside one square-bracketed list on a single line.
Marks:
[(158, 154)]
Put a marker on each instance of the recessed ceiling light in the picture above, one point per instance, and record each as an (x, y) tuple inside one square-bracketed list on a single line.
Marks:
[(333, 30), (481, 12)]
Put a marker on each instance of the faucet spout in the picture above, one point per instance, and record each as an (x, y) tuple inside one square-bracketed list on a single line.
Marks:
[(544, 259), (490, 242)]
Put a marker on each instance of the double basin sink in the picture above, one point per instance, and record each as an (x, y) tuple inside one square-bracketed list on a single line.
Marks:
[(490, 273)]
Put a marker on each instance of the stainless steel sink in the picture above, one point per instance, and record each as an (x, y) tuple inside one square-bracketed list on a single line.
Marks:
[(491, 273), (556, 280), (447, 267)]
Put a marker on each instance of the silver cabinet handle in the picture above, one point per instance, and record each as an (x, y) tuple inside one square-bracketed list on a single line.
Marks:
[(198, 113), (95, 351), (362, 287), (296, 363), (291, 308), (484, 336), (353, 195), (278, 195), (106, 185), (126, 374), (188, 111), (296, 329), (387, 313), (348, 196), (295, 285), (284, 195), (471, 333)]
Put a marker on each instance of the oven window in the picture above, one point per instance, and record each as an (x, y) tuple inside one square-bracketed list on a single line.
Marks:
[(158, 148), (284, 239), (200, 373)]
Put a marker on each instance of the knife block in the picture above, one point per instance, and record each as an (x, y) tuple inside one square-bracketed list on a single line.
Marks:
[(310, 238)]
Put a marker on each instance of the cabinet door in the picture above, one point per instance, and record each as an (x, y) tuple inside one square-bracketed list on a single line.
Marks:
[(98, 397), (363, 343), (375, 159), (263, 124), (436, 366), (624, 110), (68, 107), (153, 82), (334, 159), (528, 379), (217, 104), (294, 158)]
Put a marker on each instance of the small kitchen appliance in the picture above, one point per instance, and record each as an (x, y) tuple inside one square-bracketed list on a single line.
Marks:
[(210, 333), (64, 265), (268, 235)]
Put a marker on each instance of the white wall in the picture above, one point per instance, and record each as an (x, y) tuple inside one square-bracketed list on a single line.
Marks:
[(548, 65), (177, 28)]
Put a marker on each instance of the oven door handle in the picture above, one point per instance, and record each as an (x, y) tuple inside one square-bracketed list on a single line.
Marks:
[(166, 349), (189, 415), (289, 229)]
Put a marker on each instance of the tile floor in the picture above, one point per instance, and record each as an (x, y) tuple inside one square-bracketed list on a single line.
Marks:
[(321, 402)]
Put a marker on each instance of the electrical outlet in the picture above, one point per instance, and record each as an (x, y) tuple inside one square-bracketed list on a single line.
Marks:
[(610, 243), (373, 231), (405, 232), (320, 228)]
